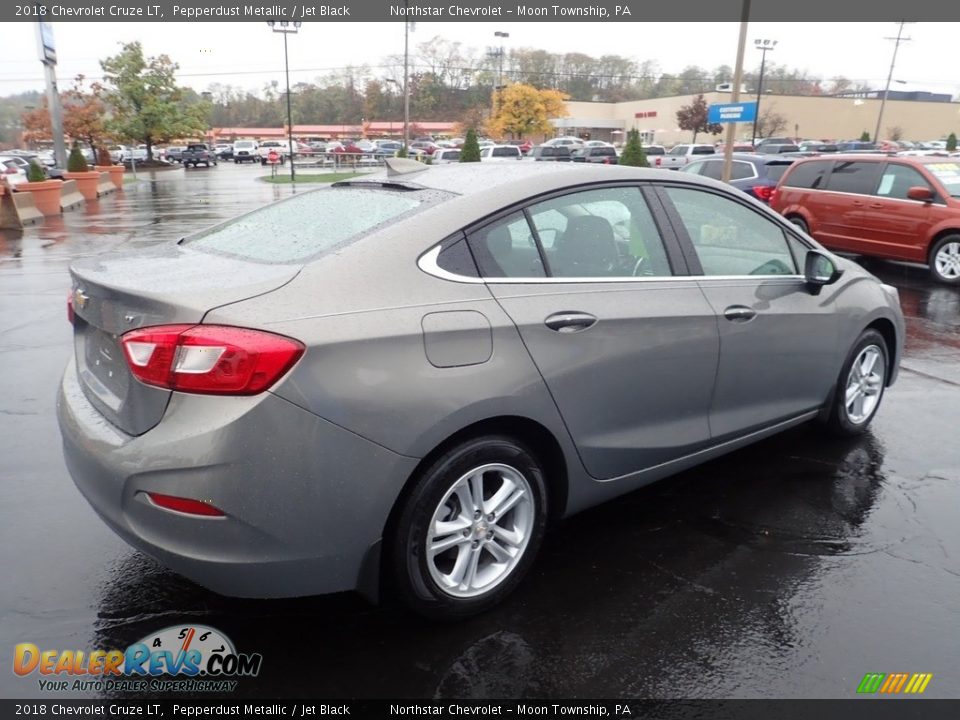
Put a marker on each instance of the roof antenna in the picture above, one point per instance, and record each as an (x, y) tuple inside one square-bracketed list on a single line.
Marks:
[(403, 166)]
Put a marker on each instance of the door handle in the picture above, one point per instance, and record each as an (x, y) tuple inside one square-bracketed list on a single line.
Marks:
[(877, 205), (739, 313), (568, 322), (857, 203)]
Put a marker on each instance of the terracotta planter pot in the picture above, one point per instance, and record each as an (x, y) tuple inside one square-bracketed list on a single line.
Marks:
[(46, 195), (116, 174), (86, 182)]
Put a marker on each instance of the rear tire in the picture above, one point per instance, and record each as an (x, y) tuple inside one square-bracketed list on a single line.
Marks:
[(860, 386), (944, 260), (800, 223), (470, 528)]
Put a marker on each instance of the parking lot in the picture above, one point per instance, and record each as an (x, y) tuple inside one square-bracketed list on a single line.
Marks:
[(788, 569)]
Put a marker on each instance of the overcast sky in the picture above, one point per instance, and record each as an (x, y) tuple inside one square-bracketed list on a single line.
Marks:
[(249, 55)]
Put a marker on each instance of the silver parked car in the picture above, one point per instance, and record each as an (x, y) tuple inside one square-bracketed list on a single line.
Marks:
[(278, 407)]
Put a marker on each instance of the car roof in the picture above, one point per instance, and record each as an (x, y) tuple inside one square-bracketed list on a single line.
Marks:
[(883, 157)]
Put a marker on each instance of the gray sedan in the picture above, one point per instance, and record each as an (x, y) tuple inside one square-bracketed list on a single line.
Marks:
[(413, 391)]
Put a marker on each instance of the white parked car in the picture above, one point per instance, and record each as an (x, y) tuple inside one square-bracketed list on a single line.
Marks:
[(565, 140), (13, 169), (445, 156), (281, 147), (245, 151), (500, 153)]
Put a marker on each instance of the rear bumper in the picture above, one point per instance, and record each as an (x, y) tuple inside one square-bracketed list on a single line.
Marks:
[(304, 499)]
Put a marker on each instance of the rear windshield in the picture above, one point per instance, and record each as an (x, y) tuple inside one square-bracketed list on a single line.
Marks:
[(948, 173), (295, 229)]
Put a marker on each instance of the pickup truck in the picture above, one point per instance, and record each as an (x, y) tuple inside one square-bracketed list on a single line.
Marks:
[(198, 153), (680, 155)]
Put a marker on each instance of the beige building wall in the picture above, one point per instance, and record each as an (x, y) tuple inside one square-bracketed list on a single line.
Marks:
[(807, 117)]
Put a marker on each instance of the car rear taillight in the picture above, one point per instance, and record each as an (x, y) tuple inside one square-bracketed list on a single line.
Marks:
[(10, 171), (658, 162), (209, 359), (185, 505), (71, 316), (763, 192)]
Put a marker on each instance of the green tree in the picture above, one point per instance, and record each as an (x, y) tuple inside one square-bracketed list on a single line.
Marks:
[(470, 152), (633, 153), (693, 117), (952, 142), (76, 162), (35, 172), (148, 106), (864, 136)]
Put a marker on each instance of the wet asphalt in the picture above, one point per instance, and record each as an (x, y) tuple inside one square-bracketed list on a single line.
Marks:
[(787, 569)]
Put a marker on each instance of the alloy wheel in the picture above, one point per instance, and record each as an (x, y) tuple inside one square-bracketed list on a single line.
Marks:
[(864, 385), (947, 261), (480, 530)]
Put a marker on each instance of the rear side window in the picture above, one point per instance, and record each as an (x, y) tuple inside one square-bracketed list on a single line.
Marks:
[(854, 177), (740, 170), (604, 151), (506, 152), (655, 150), (506, 248), (808, 175), (295, 229), (775, 171), (712, 170)]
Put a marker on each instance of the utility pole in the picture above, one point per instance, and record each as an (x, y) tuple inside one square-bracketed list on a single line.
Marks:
[(886, 90), (287, 28), (48, 56), (735, 95)]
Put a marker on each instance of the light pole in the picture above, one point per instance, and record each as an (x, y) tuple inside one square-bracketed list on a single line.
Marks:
[(500, 53), (886, 91), (287, 28), (763, 46), (408, 27)]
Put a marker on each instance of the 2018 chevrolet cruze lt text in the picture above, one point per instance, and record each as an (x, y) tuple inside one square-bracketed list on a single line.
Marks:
[(414, 390)]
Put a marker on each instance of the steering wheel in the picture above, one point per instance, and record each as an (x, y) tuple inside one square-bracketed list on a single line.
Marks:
[(638, 268), (772, 267)]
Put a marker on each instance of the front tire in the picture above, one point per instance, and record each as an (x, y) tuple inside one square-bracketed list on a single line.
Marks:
[(945, 260), (860, 386), (470, 528)]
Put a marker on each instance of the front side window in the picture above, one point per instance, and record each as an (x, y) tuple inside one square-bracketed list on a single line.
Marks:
[(896, 180), (679, 150), (729, 238), (600, 233), (852, 176)]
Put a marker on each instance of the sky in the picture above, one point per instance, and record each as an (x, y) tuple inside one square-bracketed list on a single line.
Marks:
[(248, 55)]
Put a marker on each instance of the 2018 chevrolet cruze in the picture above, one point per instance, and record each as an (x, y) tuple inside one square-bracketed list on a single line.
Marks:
[(286, 404)]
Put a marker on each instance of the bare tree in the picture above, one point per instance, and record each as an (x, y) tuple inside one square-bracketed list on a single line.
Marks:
[(770, 122)]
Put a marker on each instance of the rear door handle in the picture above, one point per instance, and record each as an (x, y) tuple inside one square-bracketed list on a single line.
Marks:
[(877, 205), (739, 313), (567, 322)]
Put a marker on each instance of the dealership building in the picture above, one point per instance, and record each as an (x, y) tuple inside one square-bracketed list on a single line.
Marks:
[(919, 116)]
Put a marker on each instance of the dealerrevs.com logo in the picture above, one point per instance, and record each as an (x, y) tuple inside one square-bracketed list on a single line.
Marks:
[(192, 658)]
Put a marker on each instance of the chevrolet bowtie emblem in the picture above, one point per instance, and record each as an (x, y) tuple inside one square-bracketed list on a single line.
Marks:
[(80, 298)]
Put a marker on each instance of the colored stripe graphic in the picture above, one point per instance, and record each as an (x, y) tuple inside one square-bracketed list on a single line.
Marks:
[(870, 683), (895, 683)]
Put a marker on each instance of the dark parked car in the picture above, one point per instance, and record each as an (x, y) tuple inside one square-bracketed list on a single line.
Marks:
[(900, 208), (551, 153), (756, 175), (278, 406), (600, 154), (197, 153)]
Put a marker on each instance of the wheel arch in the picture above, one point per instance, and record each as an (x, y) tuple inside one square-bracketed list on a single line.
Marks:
[(939, 235), (546, 447), (886, 328)]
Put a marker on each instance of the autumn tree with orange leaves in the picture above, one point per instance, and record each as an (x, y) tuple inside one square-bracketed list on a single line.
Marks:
[(524, 110), (84, 114)]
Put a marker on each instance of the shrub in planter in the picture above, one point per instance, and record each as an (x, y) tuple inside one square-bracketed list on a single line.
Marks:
[(35, 172), (46, 193), (77, 169), (103, 158), (76, 162), (105, 164)]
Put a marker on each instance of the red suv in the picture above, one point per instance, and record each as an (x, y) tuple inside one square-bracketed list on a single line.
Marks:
[(900, 208)]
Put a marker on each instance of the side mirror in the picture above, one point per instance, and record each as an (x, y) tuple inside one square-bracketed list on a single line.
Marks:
[(819, 270), (920, 192)]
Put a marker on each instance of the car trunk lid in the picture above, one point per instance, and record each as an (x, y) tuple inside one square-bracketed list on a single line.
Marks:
[(113, 294)]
